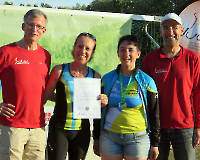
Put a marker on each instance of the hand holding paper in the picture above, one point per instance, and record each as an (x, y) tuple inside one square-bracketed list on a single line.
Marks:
[(104, 99)]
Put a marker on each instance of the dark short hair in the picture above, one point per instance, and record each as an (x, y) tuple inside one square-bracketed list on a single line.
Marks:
[(85, 34), (35, 13), (131, 39)]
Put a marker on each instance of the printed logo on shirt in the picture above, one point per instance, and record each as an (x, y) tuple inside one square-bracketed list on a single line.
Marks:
[(160, 71), (70, 82), (21, 61)]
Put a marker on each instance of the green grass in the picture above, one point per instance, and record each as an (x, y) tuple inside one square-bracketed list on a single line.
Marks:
[(171, 155)]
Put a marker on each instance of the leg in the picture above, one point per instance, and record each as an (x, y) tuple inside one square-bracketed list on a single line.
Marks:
[(109, 146), (182, 144), (134, 158), (12, 142), (111, 157), (78, 144), (136, 146), (164, 145), (57, 144), (35, 147)]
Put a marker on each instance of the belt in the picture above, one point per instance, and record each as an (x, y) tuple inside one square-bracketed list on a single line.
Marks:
[(107, 131)]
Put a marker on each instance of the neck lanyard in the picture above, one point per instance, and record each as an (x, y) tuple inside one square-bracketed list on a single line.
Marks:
[(123, 93)]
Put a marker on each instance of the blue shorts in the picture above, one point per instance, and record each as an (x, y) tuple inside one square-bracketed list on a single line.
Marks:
[(131, 145)]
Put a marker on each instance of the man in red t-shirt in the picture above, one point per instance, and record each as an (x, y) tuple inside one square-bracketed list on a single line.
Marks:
[(176, 71), (24, 71)]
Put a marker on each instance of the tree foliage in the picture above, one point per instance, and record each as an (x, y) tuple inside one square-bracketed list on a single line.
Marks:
[(60, 7), (45, 5), (79, 7), (142, 7), (8, 3)]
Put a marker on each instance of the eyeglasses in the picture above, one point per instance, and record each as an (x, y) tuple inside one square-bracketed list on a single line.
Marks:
[(173, 28), (87, 35), (32, 25)]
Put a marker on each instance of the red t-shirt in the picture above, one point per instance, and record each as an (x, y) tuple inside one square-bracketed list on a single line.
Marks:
[(23, 75), (177, 81)]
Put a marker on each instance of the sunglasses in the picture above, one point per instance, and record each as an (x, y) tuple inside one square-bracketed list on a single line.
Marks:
[(87, 35)]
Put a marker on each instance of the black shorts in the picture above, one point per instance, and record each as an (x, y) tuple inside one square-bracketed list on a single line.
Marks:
[(61, 142)]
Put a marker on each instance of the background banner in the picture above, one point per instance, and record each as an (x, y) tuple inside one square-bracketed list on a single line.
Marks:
[(62, 29), (191, 22)]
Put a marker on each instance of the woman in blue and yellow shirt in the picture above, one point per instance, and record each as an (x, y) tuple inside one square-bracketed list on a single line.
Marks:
[(132, 113)]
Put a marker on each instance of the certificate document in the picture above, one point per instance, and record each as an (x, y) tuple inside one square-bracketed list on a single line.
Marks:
[(86, 92)]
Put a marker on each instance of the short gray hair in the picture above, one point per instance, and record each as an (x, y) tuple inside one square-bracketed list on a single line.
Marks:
[(35, 13)]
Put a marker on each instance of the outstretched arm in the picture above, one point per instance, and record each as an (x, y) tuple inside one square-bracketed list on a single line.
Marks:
[(51, 84)]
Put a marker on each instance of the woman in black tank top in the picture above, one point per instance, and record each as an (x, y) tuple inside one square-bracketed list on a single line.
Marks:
[(63, 137)]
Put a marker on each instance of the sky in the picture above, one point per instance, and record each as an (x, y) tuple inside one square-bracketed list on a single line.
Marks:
[(53, 3)]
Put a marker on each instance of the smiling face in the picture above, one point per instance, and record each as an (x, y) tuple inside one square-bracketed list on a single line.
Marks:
[(33, 28), (83, 49), (171, 32), (128, 53)]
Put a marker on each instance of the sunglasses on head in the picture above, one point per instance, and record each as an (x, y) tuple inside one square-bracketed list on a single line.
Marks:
[(87, 34)]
